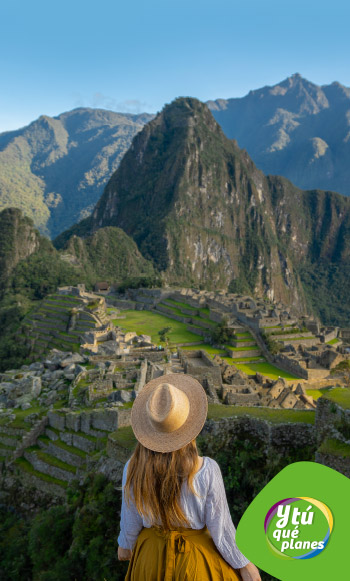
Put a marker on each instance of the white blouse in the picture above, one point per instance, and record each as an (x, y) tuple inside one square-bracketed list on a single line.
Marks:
[(210, 508)]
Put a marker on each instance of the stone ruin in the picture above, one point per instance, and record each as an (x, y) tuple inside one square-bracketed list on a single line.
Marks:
[(239, 389)]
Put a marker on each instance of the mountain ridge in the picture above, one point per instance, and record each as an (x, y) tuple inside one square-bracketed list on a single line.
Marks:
[(55, 168), (296, 129)]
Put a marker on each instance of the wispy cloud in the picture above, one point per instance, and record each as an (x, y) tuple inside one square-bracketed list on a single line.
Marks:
[(126, 106)]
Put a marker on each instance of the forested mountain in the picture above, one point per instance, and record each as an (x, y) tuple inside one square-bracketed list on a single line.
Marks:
[(198, 207), (55, 168)]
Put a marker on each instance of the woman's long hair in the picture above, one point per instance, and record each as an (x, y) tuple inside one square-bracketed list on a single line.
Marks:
[(154, 482)]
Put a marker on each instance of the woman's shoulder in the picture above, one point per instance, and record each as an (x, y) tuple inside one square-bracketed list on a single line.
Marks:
[(209, 467)]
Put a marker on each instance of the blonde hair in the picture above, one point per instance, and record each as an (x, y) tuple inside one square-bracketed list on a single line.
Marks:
[(154, 481)]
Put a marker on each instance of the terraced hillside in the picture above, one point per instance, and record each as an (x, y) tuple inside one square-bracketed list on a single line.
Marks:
[(290, 334), (60, 321), (66, 449), (196, 319)]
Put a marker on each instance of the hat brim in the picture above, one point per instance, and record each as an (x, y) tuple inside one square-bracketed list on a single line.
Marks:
[(153, 439)]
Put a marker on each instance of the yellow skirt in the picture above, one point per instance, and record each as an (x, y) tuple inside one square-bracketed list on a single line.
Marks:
[(181, 555)]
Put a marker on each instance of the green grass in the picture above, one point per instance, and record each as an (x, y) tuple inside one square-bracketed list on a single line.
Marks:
[(52, 460), (333, 341), (205, 347), (297, 339), (64, 446), (27, 467), (316, 393), (124, 437), (335, 447), (55, 430), (246, 334), (172, 309), (265, 369), (243, 348), (21, 414), (205, 311), (249, 359), (179, 304), (60, 403), (65, 334), (339, 395), (65, 345), (217, 411), (149, 323), (82, 434), (198, 318), (7, 447)]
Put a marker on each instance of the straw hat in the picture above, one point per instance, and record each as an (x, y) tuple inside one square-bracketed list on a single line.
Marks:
[(169, 412)]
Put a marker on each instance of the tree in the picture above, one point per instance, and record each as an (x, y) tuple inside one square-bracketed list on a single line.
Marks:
[(163, 332), (273, 346), (221, 334)]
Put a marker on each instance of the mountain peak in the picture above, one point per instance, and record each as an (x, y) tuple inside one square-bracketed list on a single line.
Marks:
[(184, 107)]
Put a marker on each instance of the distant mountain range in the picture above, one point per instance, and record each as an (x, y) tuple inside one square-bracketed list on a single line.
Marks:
[(200, 210), (295, 129), (55, 168)]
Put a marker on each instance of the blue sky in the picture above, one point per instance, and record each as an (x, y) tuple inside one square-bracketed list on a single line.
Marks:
[(136, 56)]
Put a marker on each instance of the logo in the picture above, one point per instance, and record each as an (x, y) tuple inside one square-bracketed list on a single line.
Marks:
[(298, 528)]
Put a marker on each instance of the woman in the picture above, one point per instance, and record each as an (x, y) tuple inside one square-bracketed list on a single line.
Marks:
[(175, 521)]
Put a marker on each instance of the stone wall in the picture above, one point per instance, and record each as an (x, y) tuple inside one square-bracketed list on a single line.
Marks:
[(31, 437), (289, 336), (185, 298), (170, 313), (115, 450), (243, 399), (99, 389), (345, 334), (198, 330), (317, 374), (330, 335), (123, 305), (290, 365), (90, 422), (333, 423), (216, 316), (31, 487), (268, 322), (279, 437), (338, 463), (45, 468), (141, 376), (207, 370), (308, 341), (328, 416)]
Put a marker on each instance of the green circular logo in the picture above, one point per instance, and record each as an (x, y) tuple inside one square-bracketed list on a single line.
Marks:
[(298, 528)]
